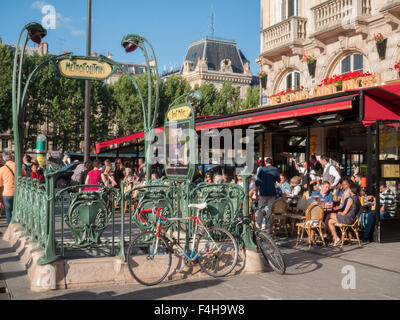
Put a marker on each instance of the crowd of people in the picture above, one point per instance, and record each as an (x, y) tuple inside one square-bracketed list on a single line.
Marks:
[(344, 198), (317, 180)]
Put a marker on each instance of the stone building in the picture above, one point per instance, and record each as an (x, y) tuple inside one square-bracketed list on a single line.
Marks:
[(340, 36), (213, 60)]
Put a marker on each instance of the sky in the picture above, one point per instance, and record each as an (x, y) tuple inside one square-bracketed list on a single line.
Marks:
[(169, 25)]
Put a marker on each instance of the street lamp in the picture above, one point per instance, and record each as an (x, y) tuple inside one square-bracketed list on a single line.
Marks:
[(130, 43), (36, 33)]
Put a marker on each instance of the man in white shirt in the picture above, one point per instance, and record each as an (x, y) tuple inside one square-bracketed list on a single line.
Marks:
[(330, 173)]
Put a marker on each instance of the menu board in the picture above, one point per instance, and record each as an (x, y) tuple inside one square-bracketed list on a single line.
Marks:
[(390, 170)]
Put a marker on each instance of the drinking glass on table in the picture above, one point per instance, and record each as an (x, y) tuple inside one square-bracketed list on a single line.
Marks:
[(315, 198), (323, 203)]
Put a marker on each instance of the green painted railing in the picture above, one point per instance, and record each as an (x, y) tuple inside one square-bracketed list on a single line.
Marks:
[(47, 216)]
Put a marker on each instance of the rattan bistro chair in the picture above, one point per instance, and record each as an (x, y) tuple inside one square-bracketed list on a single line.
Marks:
[(298, 213), (312, 224), (279, 211), (348, 229)]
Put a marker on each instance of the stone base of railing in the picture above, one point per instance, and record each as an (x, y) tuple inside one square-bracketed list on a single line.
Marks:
[(89, 272)]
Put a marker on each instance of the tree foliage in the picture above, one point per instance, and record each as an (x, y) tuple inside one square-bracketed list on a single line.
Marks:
[(55, 105)]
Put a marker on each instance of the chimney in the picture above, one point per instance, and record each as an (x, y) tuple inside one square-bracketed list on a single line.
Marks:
[(109, 56), (43, 48)]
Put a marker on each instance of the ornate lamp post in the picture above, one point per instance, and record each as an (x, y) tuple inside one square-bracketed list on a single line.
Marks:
[(131, 42), (36, 33)]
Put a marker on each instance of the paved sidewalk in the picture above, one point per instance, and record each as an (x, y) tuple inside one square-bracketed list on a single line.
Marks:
[(314, 273)]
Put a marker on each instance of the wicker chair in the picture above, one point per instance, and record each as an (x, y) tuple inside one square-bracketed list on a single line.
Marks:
[(347, 229), (298, 213), (279, 212), (313, 222)]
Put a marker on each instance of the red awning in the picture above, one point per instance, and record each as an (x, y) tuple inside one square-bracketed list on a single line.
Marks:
[(118, 141), (381, 103), (279, 113)]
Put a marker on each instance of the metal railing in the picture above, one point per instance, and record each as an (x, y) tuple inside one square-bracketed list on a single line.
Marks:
[(73, 222)]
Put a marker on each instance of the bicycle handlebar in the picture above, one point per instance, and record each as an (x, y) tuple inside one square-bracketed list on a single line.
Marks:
[(144, 211), (159, 215)]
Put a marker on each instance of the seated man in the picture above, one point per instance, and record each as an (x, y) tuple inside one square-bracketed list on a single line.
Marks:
[(387, 201), (368, 216), (324, 194)]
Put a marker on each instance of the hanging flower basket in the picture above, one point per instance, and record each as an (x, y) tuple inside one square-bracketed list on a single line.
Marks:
[(263, 79), (381, 44), (397, 67), (311, 68)]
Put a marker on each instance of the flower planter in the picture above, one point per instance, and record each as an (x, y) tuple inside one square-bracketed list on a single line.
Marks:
[(311, 68), (263, 82), (381, 47)]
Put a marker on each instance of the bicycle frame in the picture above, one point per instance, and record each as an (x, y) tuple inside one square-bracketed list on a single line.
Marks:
[(158, 230)]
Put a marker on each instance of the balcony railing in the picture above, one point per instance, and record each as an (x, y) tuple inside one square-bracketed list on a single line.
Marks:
[(339, 13), (283, 34)]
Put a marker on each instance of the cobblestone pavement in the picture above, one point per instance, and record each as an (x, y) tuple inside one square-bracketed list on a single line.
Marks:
[(316, 273)]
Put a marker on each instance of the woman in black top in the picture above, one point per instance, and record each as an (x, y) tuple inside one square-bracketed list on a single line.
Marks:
[(347, 215), (119, 172)]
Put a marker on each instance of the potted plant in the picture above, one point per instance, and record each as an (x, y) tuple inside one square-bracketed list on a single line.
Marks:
[(262, 75), (311, 64), (381, 44)]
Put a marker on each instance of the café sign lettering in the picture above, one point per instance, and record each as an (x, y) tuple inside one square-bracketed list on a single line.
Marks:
[(85, 69), (181, 113), (324, 90)]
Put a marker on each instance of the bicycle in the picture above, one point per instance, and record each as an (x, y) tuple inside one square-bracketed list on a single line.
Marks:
[(267, 246), (150, 253)]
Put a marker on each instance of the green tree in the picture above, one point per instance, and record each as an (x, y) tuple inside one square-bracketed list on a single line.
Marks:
[(207, 105), (228, 99), (6, 66), (252, 97)]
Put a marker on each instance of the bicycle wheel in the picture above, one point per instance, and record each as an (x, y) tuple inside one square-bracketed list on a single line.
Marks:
[(270, 252), (217, 251), (147, 266)]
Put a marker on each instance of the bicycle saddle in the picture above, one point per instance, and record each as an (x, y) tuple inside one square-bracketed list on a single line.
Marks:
[(199, 206)]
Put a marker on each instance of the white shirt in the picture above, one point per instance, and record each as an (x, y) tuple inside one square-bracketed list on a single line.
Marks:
[(333, 172)]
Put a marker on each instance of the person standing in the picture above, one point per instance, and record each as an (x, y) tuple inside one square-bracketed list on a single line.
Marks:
[(7, 178), (119, 172), (141, 170), (27, 164), (267, 177), (94, 177), (386, 201), (330, 173)]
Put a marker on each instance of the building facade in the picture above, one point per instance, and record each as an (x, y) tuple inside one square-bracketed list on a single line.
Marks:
[(213, 60), (303, 42)]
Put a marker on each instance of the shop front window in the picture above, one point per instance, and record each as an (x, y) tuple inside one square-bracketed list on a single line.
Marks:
[(389, 141)]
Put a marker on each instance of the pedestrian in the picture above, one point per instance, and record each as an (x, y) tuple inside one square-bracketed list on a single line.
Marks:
[(119, 171), (7, 177), (386, 201), (76, 176), (141, 169), (267, 177), (94, 177), (27, 164), (330, 173), (35, 172)]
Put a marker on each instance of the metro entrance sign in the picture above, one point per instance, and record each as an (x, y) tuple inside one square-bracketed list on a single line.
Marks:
[(180, 143), (85, 68)]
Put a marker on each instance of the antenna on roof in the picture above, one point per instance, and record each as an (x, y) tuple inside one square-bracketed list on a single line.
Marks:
[(212, 22)]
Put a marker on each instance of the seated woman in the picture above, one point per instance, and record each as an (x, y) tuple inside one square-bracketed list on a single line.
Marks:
[(347, 215), (284, 186)]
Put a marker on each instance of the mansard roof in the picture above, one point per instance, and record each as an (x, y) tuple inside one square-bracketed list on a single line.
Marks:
[(215, 50)]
